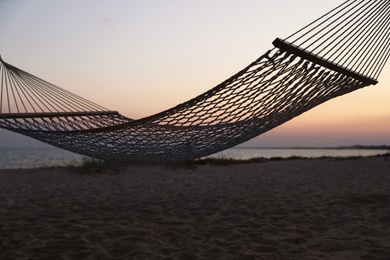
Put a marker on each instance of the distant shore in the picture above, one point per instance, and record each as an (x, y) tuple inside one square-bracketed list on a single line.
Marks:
[(276, 209), (276, 158)]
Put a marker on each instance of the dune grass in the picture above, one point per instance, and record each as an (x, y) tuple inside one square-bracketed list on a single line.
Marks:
[(91, 166)]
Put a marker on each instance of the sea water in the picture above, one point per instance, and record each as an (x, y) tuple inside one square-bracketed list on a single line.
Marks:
[(18, 158)]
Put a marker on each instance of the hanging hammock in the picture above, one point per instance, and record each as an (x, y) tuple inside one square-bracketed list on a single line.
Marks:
[(342, 51)]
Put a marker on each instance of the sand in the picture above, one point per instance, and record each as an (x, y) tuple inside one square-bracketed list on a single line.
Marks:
[(289, 209)]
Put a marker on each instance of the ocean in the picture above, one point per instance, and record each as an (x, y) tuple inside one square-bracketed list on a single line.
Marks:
[(18, 158)]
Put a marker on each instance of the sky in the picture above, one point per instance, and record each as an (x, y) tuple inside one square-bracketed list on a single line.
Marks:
[(142, 57)]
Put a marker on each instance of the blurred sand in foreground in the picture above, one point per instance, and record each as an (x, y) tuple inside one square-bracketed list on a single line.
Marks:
[(288, 209)]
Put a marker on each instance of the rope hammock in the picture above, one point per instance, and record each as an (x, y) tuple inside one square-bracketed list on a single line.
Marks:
[(342, 51)]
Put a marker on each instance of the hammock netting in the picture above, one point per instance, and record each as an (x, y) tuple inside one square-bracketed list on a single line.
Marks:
[(342, 51)]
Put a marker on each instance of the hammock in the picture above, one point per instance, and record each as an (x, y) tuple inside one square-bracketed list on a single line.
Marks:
[(342, 51)]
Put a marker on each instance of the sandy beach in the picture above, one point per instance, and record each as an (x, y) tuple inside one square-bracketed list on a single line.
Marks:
[(288, 209)]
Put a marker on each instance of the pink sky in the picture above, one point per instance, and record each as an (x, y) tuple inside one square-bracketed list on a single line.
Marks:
[(141, 57)]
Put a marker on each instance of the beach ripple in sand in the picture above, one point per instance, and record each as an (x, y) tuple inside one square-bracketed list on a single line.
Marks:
[(293, 209)]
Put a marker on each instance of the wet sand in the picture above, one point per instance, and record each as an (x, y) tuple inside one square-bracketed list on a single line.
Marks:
[(288, 209)]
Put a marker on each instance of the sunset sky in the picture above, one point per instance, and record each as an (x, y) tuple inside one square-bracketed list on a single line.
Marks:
[(141, 57)]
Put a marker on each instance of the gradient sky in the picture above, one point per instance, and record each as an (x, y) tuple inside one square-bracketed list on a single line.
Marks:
[(141, 57)]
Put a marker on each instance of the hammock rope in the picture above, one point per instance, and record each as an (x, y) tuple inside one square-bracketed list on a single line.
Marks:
[(353, 35), (342, 51)]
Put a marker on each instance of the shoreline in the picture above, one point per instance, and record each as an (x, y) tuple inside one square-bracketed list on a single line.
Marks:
[(95, 163), (327, 208)]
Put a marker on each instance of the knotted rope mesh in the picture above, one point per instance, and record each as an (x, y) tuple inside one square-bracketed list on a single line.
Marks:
[(280, 85)]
